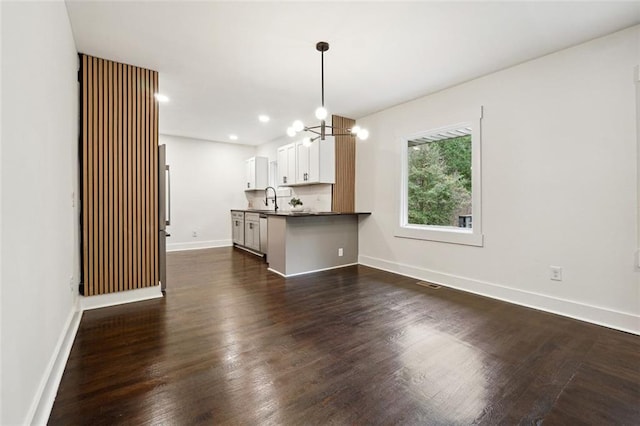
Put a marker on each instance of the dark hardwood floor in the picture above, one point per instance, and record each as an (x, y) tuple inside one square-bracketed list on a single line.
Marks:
[(233, 343)]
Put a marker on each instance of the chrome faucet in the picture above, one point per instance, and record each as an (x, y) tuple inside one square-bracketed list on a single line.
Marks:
[(275, 197)]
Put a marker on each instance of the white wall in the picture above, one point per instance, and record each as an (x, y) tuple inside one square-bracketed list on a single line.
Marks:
[(207, 179), (1, 375), (39, 223), (559, 167)]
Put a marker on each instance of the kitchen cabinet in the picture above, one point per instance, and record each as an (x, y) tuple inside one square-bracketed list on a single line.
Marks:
[(287, 165), (304, 165), (257, 173), (237, 227), (316, 162), (252, 231)]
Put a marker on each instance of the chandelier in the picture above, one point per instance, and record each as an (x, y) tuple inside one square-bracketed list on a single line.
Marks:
[(324, 129)]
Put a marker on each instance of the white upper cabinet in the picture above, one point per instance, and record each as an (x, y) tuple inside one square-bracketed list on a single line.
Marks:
[(257, 173), (305, 165), (287, 165), (316, 163)]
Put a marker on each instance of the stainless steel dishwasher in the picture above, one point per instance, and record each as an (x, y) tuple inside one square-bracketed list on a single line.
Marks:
[(263, 234)]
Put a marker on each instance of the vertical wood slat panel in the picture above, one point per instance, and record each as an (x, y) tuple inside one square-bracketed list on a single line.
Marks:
[(138, 210), (97, 170), (95, 178), (143, 182), (100, 155), (134, 183), (343, 196), (132, 188), (152, 172), (141, 205), (116, 180), (147, 166), (130, 164), (155, 173), (110, 178), (121, 173), (119, 176), (86, 155)]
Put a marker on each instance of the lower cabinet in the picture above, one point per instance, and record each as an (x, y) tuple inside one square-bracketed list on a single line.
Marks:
[(245, 231), (252, 231), (237, 227)]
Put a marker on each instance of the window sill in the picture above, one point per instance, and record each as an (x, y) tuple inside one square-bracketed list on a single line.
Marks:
[(464, 236)]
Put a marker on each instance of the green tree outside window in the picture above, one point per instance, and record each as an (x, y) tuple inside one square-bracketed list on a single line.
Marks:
[(439, 186)]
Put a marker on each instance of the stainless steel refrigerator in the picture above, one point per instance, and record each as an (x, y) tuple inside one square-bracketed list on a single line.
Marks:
[(164, 213)]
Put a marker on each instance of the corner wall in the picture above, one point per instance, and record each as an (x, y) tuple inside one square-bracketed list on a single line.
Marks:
[(207, 179), (40, 264), (559, 164)]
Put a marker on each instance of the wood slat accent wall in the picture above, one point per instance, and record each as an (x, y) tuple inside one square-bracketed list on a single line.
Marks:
[(344, 190), (119, 155)]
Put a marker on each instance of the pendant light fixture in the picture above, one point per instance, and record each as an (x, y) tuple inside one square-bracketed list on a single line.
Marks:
[(324, 129)]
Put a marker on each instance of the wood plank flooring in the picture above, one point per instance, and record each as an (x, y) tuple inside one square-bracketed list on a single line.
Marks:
[(232, 343)]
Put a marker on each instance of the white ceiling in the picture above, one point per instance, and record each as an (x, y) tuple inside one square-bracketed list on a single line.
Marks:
[(223, 63)]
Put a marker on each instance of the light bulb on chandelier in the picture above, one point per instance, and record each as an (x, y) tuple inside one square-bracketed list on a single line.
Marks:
[(363, 134), (298, 126), (321, 114)]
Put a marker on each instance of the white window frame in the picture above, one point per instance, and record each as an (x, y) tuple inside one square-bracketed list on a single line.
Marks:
[(447, 234)]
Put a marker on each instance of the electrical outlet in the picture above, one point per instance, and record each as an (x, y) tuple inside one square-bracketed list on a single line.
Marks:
[(555, 273), (72, 285), (194, 234), (340, 252)]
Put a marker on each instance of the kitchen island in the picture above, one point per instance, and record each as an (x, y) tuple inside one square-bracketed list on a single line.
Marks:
[(304, 242)]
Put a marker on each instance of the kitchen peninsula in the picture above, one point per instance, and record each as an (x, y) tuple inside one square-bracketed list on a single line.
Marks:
[(304, 242)]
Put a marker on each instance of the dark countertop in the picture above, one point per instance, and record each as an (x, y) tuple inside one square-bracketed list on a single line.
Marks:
[(298, 214)]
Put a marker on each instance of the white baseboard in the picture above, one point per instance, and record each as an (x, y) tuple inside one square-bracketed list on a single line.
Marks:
[(623, 321), (111, 299), (310, 272), (46, 394), (199, 245)]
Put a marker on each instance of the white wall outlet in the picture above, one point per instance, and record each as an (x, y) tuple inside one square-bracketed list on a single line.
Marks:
[(340, 252), (555, 273), (194, 234), (72, 284)]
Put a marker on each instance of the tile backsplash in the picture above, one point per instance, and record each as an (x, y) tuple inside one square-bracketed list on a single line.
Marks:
[(314, 198)]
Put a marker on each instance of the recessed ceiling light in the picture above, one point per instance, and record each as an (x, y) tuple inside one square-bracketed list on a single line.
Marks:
[(161, 98), (233, 137), (264, 118)]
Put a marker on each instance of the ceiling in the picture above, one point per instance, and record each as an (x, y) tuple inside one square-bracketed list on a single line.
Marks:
[(223, 63)]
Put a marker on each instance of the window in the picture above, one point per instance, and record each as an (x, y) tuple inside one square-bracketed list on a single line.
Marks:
[(441, 185)]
